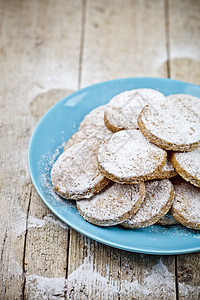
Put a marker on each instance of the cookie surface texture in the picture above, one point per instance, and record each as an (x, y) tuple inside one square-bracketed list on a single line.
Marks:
[(113, 205), (157, 202), (128, 157), (123, 110), (187, 165), (75, 174), (186, 100), (171, 126), (94, 118), (87, 133), (186, 204), (167, 172)]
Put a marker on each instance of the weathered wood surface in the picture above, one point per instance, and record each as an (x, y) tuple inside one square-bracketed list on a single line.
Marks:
[(47, 50), (184, 64)]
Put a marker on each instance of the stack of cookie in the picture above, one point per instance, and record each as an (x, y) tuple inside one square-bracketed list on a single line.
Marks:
[(117, 166)]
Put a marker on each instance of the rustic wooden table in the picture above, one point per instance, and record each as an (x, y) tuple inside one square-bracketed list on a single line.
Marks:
[(48, 49)]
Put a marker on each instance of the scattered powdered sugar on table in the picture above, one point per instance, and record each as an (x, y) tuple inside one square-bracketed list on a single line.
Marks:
[(159, 281), (85, 279), (19, 223), (188, 291), (45, 288)]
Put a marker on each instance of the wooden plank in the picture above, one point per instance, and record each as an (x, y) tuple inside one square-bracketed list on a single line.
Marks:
[(184, 41), (188, 276), (39, 50), (124, 40), (41, 64), (45, 258), (119, 41), (46, 239), (108, 273), (90, 275), (184, 33)]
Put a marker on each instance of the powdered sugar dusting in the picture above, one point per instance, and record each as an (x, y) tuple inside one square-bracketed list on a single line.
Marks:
[(123, 110), (128, 154), (158, 281), (75, 174), (186, 100), (190, 162), (91, 132), (158, 195), (112, 205), (19, 226), (172, 122), (45, 165), (187, 201), (94, 118), (167, 172), (45, 288)]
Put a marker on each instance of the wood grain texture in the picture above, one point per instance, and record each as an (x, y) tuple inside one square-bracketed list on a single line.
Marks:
[(184, 41), (96, 270), (123, 39), (47, 50), (45, 256), (34, 67), (110, 50)]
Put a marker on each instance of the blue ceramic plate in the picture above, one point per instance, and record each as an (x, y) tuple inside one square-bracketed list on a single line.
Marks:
[(47, 142)]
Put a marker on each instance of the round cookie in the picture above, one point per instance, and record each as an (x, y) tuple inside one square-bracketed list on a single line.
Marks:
[(167, 219), (171, 126), (186, 204), (94, 118), (97, 133), (157, 202), (75, 174), (113, 205), (167, 172), (187, 164), (123, 110), (191, 102), (127, 157)]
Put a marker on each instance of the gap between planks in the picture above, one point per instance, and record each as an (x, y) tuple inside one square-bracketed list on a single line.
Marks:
[(176, 278), (167, 32), (24, 252), (82, 40)]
